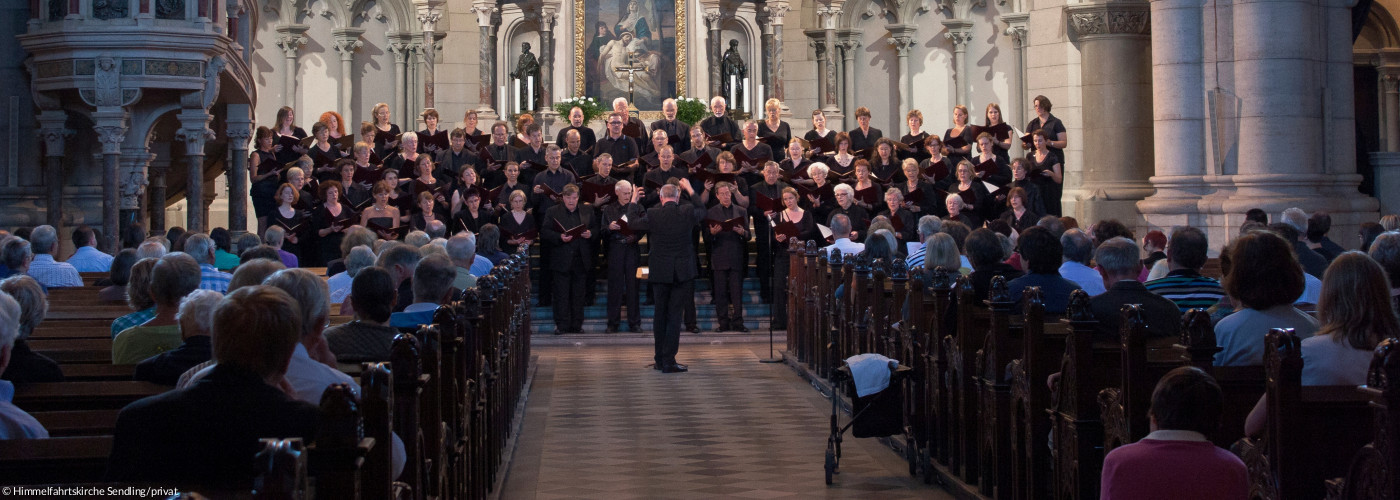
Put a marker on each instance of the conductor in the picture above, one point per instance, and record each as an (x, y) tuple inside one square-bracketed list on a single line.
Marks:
[(672, 262)]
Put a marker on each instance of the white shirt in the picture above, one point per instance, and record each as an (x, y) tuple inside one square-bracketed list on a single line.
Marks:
[(339, 286), (54, 274), (1086, 277), (846, 246), (1312, 290), (90, 260), (14, 422)]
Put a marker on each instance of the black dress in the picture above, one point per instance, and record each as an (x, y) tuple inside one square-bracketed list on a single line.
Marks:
[(777, 140), (464, 221), (1001, 177), (510, 227), (322, 218), (1026, 220), (1050, 191), (920, 153), (967, 136), (812, 135), (927, 201), (760, 153), (381, 138), (324, 159), (287, 154), (265, 190), (806, 231), (292, 225), (887, 174)]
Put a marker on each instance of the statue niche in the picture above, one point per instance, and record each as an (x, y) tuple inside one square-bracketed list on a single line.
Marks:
[(732, 65), (525, 68)]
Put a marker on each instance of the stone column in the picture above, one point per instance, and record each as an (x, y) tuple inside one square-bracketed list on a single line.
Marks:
[(960, 33), (766, 66), (902, 38), (400, 51), (52, 131), (848, 47), (347, 41), (290, 38), (156, 196), (239, 133), (429, 13), (1390, 83), (194, 132), (713, 19), (1116, 56), (828, 14), (819, 46), (1179, 112), (131, 175), (487, 56), (111, 127), (1014, 111), (777, 11), (548, 21)]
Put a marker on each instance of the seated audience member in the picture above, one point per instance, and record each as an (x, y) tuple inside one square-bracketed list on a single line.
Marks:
[(274, 236), (133, 235), (1313, 263), (138, 297), (1106, 230), (261, 252), (1390, 222), (52, 274), (1356, 314), (201, 248), (1183, 284), (1079, 249), (26, 365), (16, 254), (436, 229), (488, 244), (885, 250), (941, 251), (959, 232), (984, 251), (173, 277), (204, 435), (1056, 225), (173, 235), (1319, 224), (1153, 245), (224, 259), (1263, 281), (313, 365), (196, 313), (1368, 233), (400, 260), (254, 272), (461, 249), (245, 242), (354, 236), (417, 239), (841, 231), (432, 286), (120, 275), (358, 259), (14, 422), (1257, 215), (87, 258), (1041, 252), (369, 337), (1176, 460), (1386, 252), (929, 225), (152, 248), (1118, 257)]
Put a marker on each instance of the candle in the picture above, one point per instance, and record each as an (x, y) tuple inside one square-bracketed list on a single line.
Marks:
[(517, 96), (760, 100), (733, 89), (502, 96), (530, 93), (747, 95)]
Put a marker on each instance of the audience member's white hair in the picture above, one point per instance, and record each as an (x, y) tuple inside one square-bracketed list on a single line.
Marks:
[(359, 258), (929, 225), (200, 246), (274, 236), (1297, 218), (197, 311), (43, 240), (431, 249), (417, 238), (9, 320), (150, 249), (436, 229), (844, 188), (461, 248)]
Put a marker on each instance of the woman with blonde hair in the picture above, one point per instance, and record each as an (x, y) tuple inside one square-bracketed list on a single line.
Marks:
[(386, 134), (773, 130)]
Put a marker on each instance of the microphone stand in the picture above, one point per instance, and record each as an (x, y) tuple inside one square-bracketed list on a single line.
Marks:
[(771, 357)]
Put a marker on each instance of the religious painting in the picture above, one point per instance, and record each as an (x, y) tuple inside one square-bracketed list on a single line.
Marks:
[(629, 46)]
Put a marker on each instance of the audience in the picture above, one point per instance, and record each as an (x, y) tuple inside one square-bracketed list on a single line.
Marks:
[(14, 422), (841, 233), (206, 434), (1055, 224), (133, 235), (359, 258), (1042, 253), (1118, 257), (1153, 245), (416, 239), (16, 255), (1313, 263), (1386, 252), (224, 258), (1263, 280), (461, 249), (273, 237), (52, 274), (254, 272), (929, 225), (1078, 250), (488, 244), (195, 316), (1184, 284), (941, 251), (1356, 314), (262, 252), (984, 250), (369, 337), (246, 242), (1257, 215), (1368, 233), (119, 274), (1176, 460), (201, 248), (87, 258), (1318, 226), (173, 277), (1390, 222), (432, 286), (400, 260), (152, 248), (138, 297), (481, 266), (354, 236), (26, 365), (959, 232)]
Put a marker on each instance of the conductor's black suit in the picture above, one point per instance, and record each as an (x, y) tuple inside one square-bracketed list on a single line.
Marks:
[(672, 271)]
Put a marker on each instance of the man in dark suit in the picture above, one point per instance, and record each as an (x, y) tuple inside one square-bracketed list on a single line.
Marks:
[(569, 257), (674, 128), (727, 258), (1119, 258), (718, 123), (672, 262), (623, 149), (623, 255), (772, 189), (205, 436), (576, 158), (492, 173)]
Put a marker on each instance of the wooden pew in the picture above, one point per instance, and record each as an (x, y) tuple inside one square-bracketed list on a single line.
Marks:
[(1312, 432), (77, 422), (409, 380), (1241, 386), (377, 408), (56, 460), (61, 396), (1373, 468), (1043, 346), (1002, 343), (960, 379), (73, 351), (1077, 430)]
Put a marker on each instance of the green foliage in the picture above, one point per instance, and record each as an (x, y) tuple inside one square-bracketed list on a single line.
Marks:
[(690, 110), (590, 107)]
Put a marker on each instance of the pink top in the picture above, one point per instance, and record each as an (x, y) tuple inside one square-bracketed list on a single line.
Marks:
[(1173, 465)]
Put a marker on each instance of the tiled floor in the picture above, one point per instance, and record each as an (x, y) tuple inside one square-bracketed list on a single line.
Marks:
[(600, 424)]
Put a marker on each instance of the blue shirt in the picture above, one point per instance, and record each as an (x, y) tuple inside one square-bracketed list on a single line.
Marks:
[(1054, 290), (90, 260), (14, 422), (1087, 277), (415, 314), (210, 278), (481, 266)]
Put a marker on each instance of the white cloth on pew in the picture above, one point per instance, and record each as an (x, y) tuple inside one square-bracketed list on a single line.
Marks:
[(14, 422), (870, 372)]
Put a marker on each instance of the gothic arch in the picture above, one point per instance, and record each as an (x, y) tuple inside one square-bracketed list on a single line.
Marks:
[(396, 13), (1380, 30)]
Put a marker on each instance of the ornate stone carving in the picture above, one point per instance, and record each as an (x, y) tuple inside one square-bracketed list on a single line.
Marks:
[(776, 12), (902, 44), (131, 178), (400, 51), (195, 138), (429, 19), (960, 39), (111, 137), (347, 46), (1390, 81), (1017, 32), (107, 83), (291, 42), (484, 12), (110, 9), (873, 10), (170, 9), (827, 15), (1088, 20)]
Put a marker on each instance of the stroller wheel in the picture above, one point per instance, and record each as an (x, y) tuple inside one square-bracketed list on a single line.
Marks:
[(830, 465)]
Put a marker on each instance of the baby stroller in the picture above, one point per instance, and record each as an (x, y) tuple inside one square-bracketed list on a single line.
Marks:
[(874, 415)]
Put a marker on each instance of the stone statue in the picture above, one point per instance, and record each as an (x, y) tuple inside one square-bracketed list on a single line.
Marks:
[(733, 65), (525, 68)]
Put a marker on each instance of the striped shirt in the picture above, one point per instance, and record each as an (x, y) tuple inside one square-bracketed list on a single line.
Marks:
[(133, 319), (1188, 289), (210, 278)]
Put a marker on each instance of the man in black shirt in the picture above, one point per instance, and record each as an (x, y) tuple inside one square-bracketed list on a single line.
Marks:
[(727, 258), (633, 123), (451, 161), (761, 209), (532, 152), (675, 129), (586, 136), (863, 137), (718, 123), (492, 174), (576, 159), (660, 176), (623, 255), (569, 256), (623, 149), (698, 147), (672, 267)]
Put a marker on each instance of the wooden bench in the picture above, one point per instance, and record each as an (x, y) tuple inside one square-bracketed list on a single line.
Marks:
[(60, 396)]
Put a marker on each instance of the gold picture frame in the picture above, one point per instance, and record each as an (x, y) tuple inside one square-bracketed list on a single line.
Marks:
[(597, 16)]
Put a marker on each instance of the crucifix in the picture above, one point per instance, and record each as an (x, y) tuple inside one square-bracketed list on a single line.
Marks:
[(631, 68)]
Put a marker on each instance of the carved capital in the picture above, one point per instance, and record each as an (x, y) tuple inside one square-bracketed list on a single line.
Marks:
[(1390, 79), (428, 19), (347, 41), (194, 139), (827, 15), (713, 17), (902, 44), (1117, 19), (131, 177), (290, 44), (111, 137), (53, 131), (1017, 34), (400, 51), (776, 11), (960, 39), (484, 13)]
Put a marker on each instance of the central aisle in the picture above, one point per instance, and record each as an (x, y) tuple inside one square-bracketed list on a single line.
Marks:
[(600, 425)]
